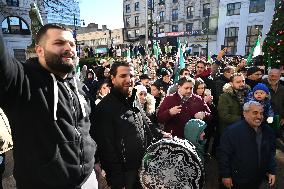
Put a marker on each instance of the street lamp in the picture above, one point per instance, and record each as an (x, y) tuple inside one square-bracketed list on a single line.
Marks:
[(75, 31), (207, 33)]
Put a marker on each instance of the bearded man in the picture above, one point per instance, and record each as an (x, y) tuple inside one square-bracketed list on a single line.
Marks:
[(277, 96), (122, 130), (231, 101), (48, 114)]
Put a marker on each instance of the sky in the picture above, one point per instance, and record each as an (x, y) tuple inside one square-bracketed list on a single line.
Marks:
[(102, 12)]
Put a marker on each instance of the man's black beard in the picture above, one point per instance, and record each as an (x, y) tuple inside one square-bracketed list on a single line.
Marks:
[(55, 62)]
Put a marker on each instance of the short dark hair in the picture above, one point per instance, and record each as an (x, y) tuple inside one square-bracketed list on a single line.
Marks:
[(144, 76), (235, 75), (183, 80), (115, 65), (183, 70), (42, 31), (157, 86)]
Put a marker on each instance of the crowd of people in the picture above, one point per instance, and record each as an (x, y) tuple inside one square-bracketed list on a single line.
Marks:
[(69, 128)]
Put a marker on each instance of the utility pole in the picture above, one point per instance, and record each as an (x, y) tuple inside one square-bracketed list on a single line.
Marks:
[(207, 33)]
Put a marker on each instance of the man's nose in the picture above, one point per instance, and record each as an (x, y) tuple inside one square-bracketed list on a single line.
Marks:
[(67, 47)]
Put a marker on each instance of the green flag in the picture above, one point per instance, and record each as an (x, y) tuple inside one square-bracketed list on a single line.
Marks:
[(180, 63), (209, 59), (255, 51)]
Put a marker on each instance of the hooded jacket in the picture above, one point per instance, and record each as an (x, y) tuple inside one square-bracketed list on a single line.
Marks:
[(192, 131), (229, 107), (122, 135), (50, 125)]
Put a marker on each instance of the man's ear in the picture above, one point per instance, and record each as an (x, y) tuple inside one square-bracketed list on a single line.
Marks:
[(39, 50)]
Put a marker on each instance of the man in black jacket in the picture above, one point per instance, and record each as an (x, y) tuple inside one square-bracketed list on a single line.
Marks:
[(247, 151), (122, 131), (48, 114)]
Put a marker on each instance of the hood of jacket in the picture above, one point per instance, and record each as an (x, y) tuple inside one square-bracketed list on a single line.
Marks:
[(192, 130), (228, 88)]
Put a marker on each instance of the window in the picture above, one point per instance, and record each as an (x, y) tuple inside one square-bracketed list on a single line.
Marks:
[(127, 21), (136, 20), (189, 27), (205, 23), (14, 3), (161, 2), (129, 34), (174, 14), (252, 34), (256, 6), (233, 9), (136, 6), (161, 29), (206, 9), (15, 25), (127, 8), (231, 39), (189, 12), (174, 28), (175, 1), (20, 54), (136, 33), (162, 16)]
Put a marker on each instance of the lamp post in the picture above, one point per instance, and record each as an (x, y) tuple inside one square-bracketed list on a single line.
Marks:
[(207, 33), (75, 21)]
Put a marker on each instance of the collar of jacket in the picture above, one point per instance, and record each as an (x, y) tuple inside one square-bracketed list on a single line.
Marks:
[(118, 94)]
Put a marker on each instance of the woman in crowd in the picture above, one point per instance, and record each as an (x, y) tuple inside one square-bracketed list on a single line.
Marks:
[(200, 90)]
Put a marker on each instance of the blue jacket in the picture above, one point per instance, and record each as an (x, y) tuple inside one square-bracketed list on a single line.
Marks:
[(238, 153), (268, 111)]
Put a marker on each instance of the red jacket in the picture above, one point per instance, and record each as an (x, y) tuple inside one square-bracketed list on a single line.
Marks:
[(176, 123)]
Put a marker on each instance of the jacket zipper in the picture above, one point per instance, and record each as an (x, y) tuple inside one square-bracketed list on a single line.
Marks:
[(76, 127), (123, 150)]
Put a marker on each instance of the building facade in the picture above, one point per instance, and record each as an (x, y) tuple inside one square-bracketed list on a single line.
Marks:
[(16, 25), (240, 23), (92, 36), (194, 22)]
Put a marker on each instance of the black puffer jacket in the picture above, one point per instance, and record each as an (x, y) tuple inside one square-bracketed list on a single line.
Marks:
[(50, 125), (121, 136)]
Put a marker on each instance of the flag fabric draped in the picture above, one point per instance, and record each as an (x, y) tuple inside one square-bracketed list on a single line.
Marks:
[(180, 64), (255, 51)]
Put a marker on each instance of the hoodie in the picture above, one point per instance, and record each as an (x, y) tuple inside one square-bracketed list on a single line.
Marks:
[(192, 131), (50, 125)]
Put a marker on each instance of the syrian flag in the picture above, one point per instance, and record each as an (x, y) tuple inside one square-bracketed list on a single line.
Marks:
[(255, 51)]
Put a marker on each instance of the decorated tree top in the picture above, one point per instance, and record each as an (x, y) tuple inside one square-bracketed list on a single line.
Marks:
[(273, 46)]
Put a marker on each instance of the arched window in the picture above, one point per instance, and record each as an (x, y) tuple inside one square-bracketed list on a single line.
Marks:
[(15, 25)]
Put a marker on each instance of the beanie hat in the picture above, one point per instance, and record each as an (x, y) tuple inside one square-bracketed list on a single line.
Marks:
[(261, 86), (252, 70)]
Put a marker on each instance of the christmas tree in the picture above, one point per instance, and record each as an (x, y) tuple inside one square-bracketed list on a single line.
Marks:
[(273, 45)]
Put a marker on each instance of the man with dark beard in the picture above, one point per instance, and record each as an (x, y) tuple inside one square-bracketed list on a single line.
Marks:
[(231, 101), (122, 131), (48, 114)]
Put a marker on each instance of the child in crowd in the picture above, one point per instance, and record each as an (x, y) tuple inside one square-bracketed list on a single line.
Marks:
[(260, 93), (194, 133)]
